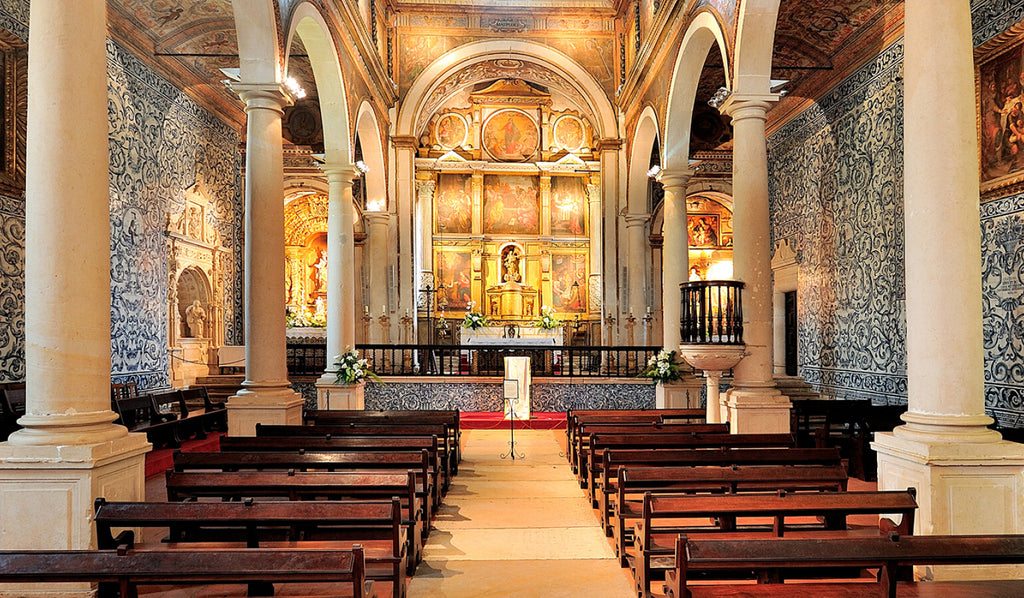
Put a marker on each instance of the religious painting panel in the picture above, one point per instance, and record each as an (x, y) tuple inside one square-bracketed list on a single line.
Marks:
[(451, 130), (511, 136), (569, 133), (511, 205), (453, 204), (568, 206), (1000, 80), (702, 230), (453, 274), (569, 282)]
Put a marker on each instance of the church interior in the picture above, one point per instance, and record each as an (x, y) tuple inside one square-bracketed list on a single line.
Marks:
[(812, 210)]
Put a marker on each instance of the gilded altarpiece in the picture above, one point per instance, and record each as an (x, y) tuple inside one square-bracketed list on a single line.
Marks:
[(195, 289), (306, 255)]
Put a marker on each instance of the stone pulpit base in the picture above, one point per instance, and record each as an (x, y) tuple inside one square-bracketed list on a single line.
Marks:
[(333, 396), (277, 406), (679, 394)]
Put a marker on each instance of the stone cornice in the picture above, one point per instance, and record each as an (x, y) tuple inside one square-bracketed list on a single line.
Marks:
[(608, 144), (354, 35), (407, 142), (656, 49)]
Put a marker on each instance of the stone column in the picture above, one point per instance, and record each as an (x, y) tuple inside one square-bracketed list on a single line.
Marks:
[(636, 231), (609, 149), (545, 203), (69, 451), (755, 404), (675, 255), (968, 481), (266, 395), (595, 217), (377, 239), (341, 279)]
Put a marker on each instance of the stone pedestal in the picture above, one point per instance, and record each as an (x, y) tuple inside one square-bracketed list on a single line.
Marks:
[(193, 362), (246, 410), (48, 494), (331, 395), (680, 394), (962, 488), (759, 411)]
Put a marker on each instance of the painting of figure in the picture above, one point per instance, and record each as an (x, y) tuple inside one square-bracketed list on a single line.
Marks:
[(510, 136), (568, 206), (1001, 118), (453, 272), (702, 230), (453, 203), (569, 282), (511, 205), (451, 131), (569, 133)]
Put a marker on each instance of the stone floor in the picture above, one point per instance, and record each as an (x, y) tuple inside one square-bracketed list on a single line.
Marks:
[(517, 527)]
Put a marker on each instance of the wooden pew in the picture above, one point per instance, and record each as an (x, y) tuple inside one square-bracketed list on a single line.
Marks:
[(655, 533), (214, 415), (615, 459), (127, 569), (847, 424), (141, 414), (576, 417), (581, 441), (12, 407), (634, 483), (449, 417), (891, 555), (418, 462), (441, 430), (601, 442), (236, 485), (345, 444), (376, 526)]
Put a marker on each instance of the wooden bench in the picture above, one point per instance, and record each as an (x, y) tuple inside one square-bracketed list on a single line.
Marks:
[(847, 424), (634, 483), (575, 417), (119, 572), (449, 417), (236, 485), (890, 555), (376, 526), (374, 444), (579, 450), (660, 523), (442, 431), (601, 442), (613, 460), (141, 414), (12, 407), (419, 462), (214, 415)]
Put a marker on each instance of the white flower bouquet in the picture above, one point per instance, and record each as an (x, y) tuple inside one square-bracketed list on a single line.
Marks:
[(662, 367), (473, 319), (352, 369)]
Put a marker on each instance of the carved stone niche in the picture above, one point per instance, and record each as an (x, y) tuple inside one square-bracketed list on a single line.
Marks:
[(195, 289)]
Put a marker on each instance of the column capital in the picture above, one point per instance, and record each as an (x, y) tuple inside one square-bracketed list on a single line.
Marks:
[(675, 178), (267, 96), (376, 218), (608, 144), (339, 172), (406, 142), (633, 220), (742, 106)]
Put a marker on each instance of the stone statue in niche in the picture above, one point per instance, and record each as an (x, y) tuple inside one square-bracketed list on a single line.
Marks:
[(195, 315), (321, 271), (510, 264)]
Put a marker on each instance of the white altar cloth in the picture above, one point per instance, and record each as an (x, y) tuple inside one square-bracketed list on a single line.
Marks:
[(528, 336)]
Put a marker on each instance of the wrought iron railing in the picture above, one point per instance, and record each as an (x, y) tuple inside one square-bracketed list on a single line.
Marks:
[(310, 359), (711, 312)]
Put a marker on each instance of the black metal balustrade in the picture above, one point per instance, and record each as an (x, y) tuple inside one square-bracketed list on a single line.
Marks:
[(310, 359), (711, 312)]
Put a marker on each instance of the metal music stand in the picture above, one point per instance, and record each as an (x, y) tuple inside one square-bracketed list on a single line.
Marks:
[(511, 392)]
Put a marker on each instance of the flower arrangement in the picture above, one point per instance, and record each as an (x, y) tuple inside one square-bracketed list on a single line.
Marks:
[(304, 319), (474, 319), (662, 367), (547, 319), (352, 369)]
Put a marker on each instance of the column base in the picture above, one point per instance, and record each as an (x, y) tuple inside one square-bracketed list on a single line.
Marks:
[(48, 494), (331, 395), (963, 487), (757, 411), (680, 394), (265, 406)]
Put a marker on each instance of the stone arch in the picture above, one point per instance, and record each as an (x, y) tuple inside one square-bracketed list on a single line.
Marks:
[(640, 157), (309, 25), (256, 28), (703, 33), (193, 285), (475, 52), (755, 42), (368, 131)]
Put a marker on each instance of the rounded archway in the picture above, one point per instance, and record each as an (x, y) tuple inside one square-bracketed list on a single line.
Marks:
[(195, 312)]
